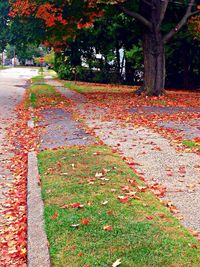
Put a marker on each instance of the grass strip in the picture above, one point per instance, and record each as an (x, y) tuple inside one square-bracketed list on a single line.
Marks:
[(38, 79), (82, 87), (192, 144), (44, 95), (140, 230)]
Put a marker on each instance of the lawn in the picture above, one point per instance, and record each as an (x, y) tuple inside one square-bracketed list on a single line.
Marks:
[(44, 95), (83, 87), (98, 211)]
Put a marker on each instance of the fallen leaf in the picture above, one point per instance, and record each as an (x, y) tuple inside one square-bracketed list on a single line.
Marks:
[(123, 199), (107, 228), (76, 205), (75, 225), (149, 217), (99, 175), (194, 246), (54, 216), (116, 263), (85, 221)]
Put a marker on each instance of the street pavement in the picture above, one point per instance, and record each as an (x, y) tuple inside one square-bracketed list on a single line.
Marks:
[(12, 87)]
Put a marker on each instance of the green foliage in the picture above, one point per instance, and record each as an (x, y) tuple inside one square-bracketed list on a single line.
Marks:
[(49, 58), (4, 25)]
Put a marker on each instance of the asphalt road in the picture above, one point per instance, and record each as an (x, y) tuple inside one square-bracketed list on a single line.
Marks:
[(12, 83)]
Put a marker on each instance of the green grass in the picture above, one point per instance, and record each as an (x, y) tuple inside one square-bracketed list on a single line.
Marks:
[(68, 176), (42, 95), (38, 79), (3, 67), (94, 88), (191, 144)]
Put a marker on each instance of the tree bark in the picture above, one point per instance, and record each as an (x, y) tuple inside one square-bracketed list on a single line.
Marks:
[(151, 15), (154, 63)]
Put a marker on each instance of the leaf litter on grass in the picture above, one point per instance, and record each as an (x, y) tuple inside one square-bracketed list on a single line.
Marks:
[(139, 231)]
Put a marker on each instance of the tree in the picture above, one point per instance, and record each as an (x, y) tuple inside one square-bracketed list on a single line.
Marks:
[(4, 10), (151, 16), (70, 15)]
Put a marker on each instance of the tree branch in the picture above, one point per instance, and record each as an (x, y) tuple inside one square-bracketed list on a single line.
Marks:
[(182, 22), (164, 5), (137, 16)]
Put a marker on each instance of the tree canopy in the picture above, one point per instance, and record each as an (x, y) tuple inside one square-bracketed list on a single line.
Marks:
[(159, 21)]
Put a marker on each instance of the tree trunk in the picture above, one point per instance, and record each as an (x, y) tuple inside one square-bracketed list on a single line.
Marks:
[(154, 63)]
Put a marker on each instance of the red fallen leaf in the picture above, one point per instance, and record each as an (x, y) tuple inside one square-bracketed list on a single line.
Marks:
[(85, 221), (123, 199), (107, 228), (161, 215), (149, 217), (194, 246), (197, 139), (59, 164), (197, 166), (169, 173), (142, 188), (80, 254), (54, 216), (76, 205), (132, 182), (97, 153), (86, 265), (109, 212)]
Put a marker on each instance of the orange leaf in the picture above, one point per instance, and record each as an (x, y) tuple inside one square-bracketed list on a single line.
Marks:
[(53, 217), (85, 221)]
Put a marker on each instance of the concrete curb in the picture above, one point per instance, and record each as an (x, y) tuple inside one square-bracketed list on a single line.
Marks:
[(38, 252)]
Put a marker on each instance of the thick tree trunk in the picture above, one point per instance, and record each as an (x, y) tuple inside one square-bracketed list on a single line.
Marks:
[(154, 63)]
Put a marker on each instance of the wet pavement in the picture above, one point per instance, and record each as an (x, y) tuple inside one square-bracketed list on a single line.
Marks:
[(61, 130)]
